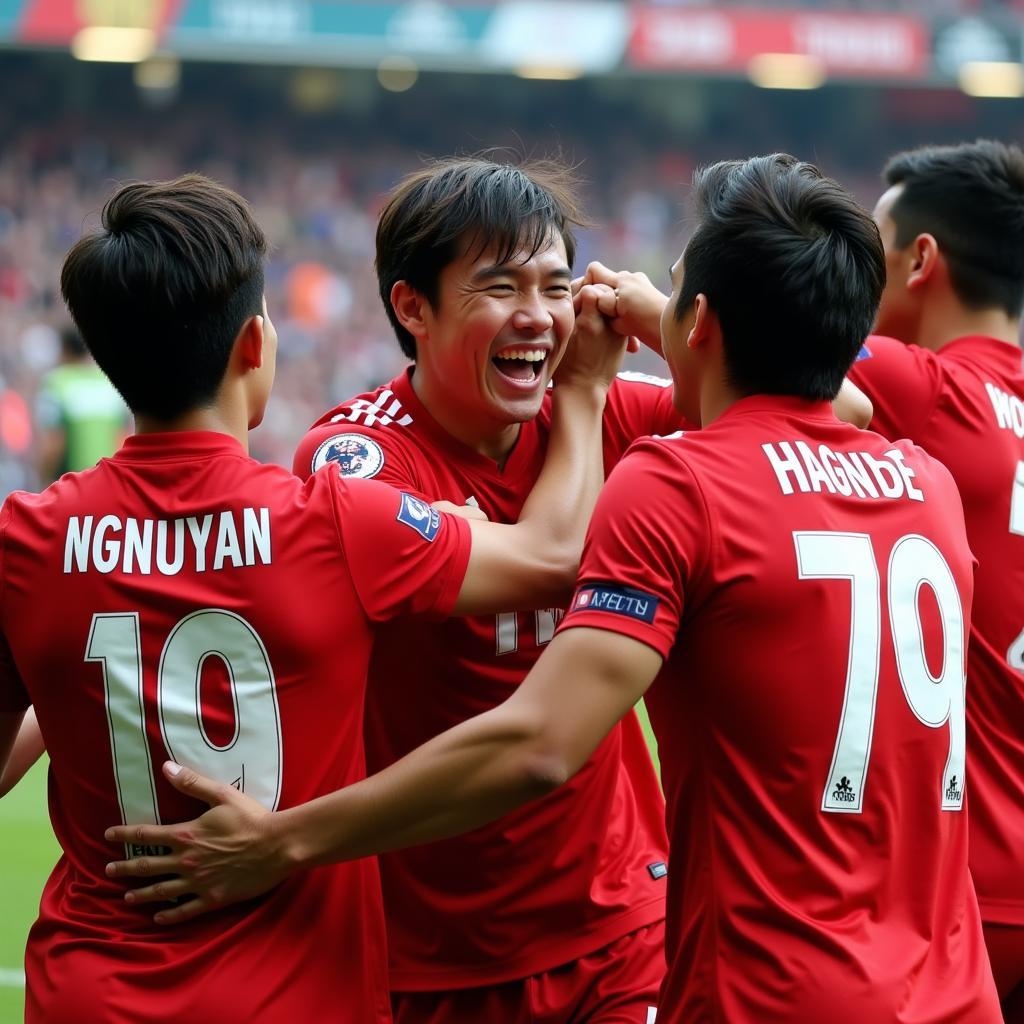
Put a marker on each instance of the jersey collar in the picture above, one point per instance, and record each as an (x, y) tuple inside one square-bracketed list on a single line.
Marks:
[(178, 444), (786, 405)]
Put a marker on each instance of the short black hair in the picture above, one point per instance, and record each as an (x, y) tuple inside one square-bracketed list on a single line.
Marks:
[(792, 266), (470, 200), (162, 291), (971, 199)]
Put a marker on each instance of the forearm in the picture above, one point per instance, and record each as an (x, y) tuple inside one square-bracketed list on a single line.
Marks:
[(458, 781), (25, 750), (554, 517)]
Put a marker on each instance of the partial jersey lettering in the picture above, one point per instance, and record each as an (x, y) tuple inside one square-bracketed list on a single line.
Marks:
[(800, 467), (218, 540)]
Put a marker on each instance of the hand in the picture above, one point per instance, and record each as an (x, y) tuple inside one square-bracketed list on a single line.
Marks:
[(594, 353), (637, 306), (463, 511), (852, 405), (225, 856)]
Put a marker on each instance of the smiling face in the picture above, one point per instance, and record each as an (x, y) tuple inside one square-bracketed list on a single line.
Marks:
[(493, 339)]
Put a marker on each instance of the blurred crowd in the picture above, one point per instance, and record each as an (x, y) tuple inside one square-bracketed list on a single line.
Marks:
[(317, 184), (929, 8)]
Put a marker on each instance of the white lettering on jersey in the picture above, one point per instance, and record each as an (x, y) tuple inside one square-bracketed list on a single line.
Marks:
[(1009, 409), (130, 545), (369, 413), (354, 454), (799, 467)]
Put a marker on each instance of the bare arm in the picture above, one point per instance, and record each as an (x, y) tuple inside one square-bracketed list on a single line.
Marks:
[(583, 684), (533, 563), (21, 745)]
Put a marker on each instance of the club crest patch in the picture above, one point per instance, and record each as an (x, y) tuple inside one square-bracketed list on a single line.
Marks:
[(612, 597), (354, 455), (420, 516)]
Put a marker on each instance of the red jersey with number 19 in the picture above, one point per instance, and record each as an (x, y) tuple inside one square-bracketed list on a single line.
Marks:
[(182, 600), (965, 405), (809, 586), (563, 876)]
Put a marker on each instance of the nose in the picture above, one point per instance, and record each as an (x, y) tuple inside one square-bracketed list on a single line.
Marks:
[(532, 314)]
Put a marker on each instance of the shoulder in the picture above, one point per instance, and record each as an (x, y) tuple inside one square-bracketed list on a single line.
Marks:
[(359, 436)]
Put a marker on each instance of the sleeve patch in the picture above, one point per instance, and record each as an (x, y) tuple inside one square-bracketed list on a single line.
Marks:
[(611, 597), (420, 516), (354, 455)]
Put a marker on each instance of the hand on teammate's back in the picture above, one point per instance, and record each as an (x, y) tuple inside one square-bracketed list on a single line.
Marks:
[(595, 350), (223, 857)]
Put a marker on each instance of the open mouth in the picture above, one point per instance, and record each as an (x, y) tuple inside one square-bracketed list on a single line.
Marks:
[(521, 364)]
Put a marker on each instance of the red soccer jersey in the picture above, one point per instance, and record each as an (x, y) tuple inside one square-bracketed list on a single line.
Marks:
[(183, 600), (965, 405), (809, 586), (565, 875)]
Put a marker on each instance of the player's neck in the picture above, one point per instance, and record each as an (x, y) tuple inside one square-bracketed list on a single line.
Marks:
[(489, 437), (214, 419), (946, 322)]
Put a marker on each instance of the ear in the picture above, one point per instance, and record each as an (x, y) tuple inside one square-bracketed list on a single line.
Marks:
[(924, 259), (249, 344), (410, 308), (700, 332)]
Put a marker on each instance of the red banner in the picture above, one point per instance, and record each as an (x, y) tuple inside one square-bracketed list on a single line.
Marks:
[(873, 45)]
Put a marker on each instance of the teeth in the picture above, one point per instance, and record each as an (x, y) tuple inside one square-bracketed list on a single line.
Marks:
[(530, 355)]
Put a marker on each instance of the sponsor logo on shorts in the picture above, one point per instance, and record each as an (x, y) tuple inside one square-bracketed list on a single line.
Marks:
[(419, 516), (354, 454), (612, 597)]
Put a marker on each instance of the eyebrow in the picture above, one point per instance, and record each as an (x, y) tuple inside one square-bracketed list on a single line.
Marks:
[(514, 270)]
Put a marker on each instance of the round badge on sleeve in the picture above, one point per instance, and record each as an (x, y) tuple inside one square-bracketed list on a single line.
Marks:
[(353, 454)]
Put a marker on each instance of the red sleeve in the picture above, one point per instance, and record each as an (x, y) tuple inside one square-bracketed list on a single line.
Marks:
[(638, 405), (903, 383), (357, 454), (404, 557), (648, 542), (13, 695)]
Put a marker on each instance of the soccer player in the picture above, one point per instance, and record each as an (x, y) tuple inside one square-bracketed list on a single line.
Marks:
[(801, 591), (181, 599), (948, 375)]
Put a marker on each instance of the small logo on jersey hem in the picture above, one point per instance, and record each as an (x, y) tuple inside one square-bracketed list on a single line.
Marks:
[(611, 597), (843, 792), (354, 455), (419, 516), (954, 791), (659, 869)]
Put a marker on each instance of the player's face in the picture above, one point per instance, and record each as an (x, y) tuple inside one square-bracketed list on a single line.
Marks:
[(496, 334), (674, 334), (898, 313)]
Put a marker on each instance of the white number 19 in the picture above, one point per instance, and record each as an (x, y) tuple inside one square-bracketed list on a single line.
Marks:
[(250, 759), (935, 700)]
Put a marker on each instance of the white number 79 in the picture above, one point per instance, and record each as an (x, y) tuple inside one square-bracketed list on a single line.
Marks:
[(935, 700)]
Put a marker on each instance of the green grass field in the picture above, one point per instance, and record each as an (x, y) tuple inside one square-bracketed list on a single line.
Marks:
[(27, 854)]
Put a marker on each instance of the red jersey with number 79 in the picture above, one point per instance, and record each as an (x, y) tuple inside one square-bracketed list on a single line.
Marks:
[(965, 405), (565, 875), (182, 601), (809, 587)]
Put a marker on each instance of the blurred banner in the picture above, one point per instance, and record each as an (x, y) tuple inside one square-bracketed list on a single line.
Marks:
[(563, 38), (847, 44)]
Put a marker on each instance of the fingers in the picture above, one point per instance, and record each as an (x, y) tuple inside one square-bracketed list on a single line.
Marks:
[(596, 299), (142, 835), (191, 783), (184, 911), (161, 892), (598, 273), (141, 866), (632, 344)]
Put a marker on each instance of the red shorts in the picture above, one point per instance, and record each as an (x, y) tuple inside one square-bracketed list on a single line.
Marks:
[(615, 985), (1005, 944)]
